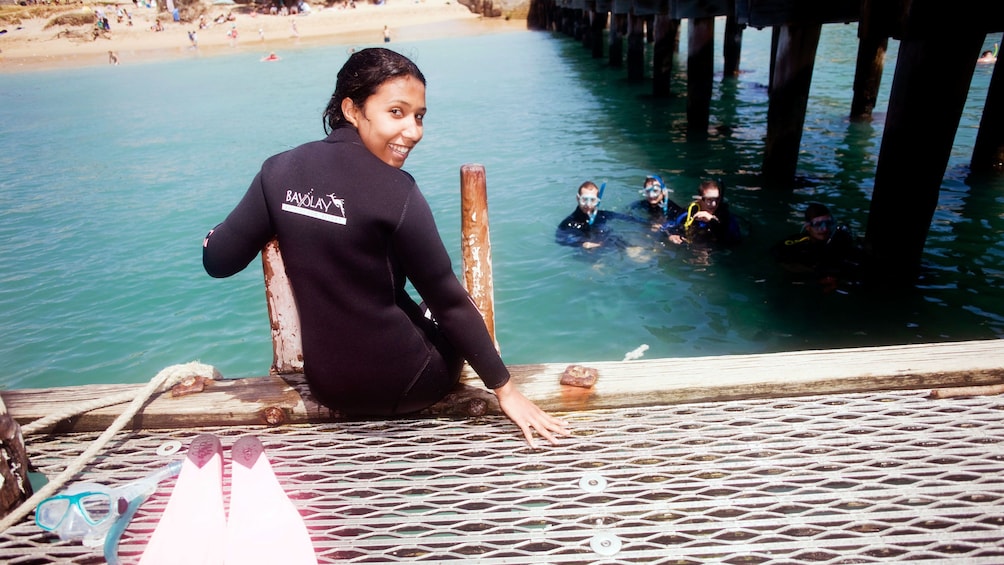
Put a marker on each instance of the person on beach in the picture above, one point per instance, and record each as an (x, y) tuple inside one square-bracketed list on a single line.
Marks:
[(708, 220), (386, 34), (354, 228), (655, 207), (587, 226)]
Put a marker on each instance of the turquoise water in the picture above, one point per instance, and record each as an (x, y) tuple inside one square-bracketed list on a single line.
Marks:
[(112, 175)]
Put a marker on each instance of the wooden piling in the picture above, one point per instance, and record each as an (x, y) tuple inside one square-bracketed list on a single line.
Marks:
[(287, 346), (928, 94), (868, 75), (873, 40), (597, 23), (615, 53), (794, 58), (15, 487), (635, 48), (475, 244), (700, 74), (732, 43), (666, 33), (988, 151)]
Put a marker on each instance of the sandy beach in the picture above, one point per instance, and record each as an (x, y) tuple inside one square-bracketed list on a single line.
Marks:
[(28, 45)]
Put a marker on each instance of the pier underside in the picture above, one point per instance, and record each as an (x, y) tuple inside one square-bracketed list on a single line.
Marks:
[(844, 478)]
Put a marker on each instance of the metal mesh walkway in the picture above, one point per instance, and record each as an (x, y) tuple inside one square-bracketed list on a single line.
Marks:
[(824, 480)]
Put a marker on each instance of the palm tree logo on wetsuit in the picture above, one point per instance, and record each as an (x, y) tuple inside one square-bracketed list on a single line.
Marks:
[(328, 208)]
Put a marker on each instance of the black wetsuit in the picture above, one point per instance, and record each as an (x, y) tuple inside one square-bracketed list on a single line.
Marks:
[(656, 214), (723, 231), (351, 230), (839, 256), (576, 229)]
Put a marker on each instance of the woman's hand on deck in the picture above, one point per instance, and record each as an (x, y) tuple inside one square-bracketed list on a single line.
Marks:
[(528, 416)]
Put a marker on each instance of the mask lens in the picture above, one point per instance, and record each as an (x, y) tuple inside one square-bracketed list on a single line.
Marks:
[(587, 200), (50, 512), (96, 507), (822, 224), (653, 190), (711, 201)]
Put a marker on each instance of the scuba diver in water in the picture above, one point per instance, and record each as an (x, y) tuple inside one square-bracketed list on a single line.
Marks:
[(656, 208), (587, 227), (707, 220), (822, 249)]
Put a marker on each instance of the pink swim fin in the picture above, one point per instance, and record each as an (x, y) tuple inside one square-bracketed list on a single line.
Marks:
[(263, 526), (193, 527)]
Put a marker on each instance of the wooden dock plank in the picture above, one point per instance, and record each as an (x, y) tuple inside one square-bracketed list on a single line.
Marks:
[(285, 399)]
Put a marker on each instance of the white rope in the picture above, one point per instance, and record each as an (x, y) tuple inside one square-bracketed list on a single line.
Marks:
[(161, 382)]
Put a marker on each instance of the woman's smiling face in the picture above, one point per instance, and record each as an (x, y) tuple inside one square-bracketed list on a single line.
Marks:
[(390, 121)]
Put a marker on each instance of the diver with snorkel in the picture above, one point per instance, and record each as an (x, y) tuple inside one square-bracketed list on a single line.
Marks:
[(708, 219), (656, 206), (586, 226)]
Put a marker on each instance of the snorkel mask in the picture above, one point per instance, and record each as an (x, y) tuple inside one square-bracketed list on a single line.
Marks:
[(87, 511)]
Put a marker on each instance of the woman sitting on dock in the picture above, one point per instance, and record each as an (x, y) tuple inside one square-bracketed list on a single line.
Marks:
[(353, 227)]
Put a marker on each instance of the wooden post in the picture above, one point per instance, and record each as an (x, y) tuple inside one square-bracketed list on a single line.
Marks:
[(868, 76), (636, 48), (287, 347), (700, 74), (873, 40), (988, 152), (926, 101), (733, 43), (475, 243), (15, 487), (794, 58), (538, 14), (616, 51), (598, 23), (666, 34)]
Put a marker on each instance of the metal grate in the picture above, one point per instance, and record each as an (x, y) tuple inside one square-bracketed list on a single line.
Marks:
[(840, 479)]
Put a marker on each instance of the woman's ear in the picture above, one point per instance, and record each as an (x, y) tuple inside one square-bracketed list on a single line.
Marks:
[(350, 111)]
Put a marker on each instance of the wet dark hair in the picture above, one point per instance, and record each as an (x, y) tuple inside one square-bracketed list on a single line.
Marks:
[(709, 184), (361, 76), (815, 210)]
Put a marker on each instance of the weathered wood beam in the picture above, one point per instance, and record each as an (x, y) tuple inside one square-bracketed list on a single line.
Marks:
[(635, 48), (667, 33), (475, 243), (988, 151), (598, 23), (15, 487), (791, 76), (873, 40), (732, 43), (615, 52), (287, 347), (928, 95), (769, 13), (700, 74), (285, 399)]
